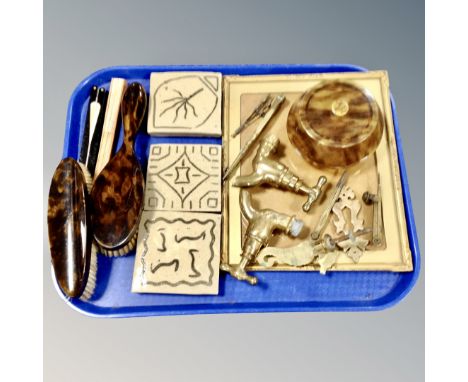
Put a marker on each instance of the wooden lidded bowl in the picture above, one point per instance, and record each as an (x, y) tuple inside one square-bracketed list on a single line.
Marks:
[(335, 124)]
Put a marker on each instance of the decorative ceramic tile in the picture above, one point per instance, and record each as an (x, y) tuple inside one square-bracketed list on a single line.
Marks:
[(177, 252), (184, 178), (185, 103)]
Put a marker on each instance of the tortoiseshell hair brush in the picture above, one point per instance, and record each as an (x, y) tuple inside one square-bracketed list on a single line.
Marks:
[(117, 193)]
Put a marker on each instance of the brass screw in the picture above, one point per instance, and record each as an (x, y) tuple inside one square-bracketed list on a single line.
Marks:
[(369, 198)]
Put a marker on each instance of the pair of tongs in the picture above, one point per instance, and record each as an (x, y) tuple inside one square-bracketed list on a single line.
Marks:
[(259, 112)]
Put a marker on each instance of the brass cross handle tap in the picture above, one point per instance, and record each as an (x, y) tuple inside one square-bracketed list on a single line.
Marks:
[(314, 193), (268, 170), (261, 228)]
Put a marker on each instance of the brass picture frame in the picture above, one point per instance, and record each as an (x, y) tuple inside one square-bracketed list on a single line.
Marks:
[(240, 96)]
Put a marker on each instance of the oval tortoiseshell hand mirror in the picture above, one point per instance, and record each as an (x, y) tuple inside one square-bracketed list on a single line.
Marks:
[(117, 193)]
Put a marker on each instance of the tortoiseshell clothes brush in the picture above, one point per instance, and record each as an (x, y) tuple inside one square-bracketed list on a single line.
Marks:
[(73, 253), (117, 193), (74, 257)]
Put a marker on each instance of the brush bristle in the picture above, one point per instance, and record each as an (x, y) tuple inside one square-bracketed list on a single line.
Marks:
[(91, 283), (87, 175), (123, 250)]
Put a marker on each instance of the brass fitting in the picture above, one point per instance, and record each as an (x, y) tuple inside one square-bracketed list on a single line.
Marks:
[(261, 228), (377, 221), (272, 172)]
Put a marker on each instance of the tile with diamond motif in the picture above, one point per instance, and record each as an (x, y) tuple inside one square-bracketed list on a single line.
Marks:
[(184, 177)]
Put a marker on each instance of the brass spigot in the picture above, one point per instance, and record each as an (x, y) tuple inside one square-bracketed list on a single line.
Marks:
[(261, 228), (272, 172)]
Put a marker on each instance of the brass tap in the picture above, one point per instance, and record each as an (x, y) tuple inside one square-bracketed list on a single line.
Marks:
[(261, 228), (272, 172)]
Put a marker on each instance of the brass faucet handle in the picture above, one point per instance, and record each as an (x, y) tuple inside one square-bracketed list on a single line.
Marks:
[(322, 181), (315, 193)]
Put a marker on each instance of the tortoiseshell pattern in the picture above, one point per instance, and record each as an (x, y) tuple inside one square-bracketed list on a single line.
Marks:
[(69, 229), (327, 138), (117, 193)]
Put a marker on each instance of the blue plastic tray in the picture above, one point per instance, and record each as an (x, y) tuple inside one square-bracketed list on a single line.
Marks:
[(279, 291)]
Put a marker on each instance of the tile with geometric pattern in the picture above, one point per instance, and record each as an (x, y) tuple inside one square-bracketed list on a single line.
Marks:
[(178, 253), (184, 177)]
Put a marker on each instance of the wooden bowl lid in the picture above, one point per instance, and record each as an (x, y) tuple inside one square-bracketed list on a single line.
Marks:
[(335, 124)]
